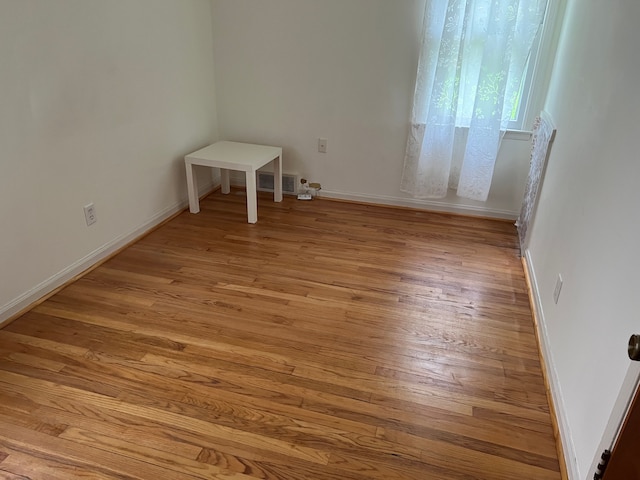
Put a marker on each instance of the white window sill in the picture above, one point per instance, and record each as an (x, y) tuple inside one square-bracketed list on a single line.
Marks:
[(521, 135)]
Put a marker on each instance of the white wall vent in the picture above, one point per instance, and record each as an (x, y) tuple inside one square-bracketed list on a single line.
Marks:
[(289, 183)]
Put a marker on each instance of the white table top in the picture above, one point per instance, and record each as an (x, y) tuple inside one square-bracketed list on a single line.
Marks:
[(234, 155)]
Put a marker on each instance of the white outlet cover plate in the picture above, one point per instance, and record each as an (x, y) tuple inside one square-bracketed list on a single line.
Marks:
[(90, 214), (556, 291)]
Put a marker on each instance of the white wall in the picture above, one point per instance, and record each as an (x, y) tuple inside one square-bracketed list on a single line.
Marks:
[(99, 102), (291, 71), (586, 225)]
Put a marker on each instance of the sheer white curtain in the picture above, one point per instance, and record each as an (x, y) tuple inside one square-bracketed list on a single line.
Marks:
[(472, 62)]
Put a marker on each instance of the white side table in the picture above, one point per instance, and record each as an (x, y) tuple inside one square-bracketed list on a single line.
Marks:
[(235, 156)]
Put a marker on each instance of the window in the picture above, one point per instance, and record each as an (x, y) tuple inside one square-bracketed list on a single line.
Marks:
[(523, 97), (535, 80), (477, 66)]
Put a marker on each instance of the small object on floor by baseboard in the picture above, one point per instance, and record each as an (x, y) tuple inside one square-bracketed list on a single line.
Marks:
[(304, 196)]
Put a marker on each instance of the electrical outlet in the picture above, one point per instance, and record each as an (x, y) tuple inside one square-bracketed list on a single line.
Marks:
[(556, 291), (322, 145), (90, 214)]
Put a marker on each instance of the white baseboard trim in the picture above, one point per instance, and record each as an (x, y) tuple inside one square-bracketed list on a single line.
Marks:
[(238, 180), (63, 276), (433, 205), (568, 445)]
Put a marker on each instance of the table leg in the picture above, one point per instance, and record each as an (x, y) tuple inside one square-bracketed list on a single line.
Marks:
[(194, 203), (252, 197), (224, 180), (277, 179)]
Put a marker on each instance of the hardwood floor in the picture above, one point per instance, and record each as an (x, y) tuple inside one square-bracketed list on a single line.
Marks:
[(327, 341)]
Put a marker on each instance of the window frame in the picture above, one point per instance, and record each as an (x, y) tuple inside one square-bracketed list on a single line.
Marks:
[(540, 66)]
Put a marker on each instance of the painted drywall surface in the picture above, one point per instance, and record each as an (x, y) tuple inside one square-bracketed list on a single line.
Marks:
[(291, 71), (586, 224), (99, 102)]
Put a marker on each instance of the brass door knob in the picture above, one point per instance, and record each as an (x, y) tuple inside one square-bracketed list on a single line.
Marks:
[(634, 347)]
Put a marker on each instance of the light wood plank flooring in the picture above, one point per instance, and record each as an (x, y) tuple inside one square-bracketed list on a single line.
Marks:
[(327, 341)]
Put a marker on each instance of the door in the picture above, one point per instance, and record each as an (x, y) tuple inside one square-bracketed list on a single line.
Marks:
[(624, 463)]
